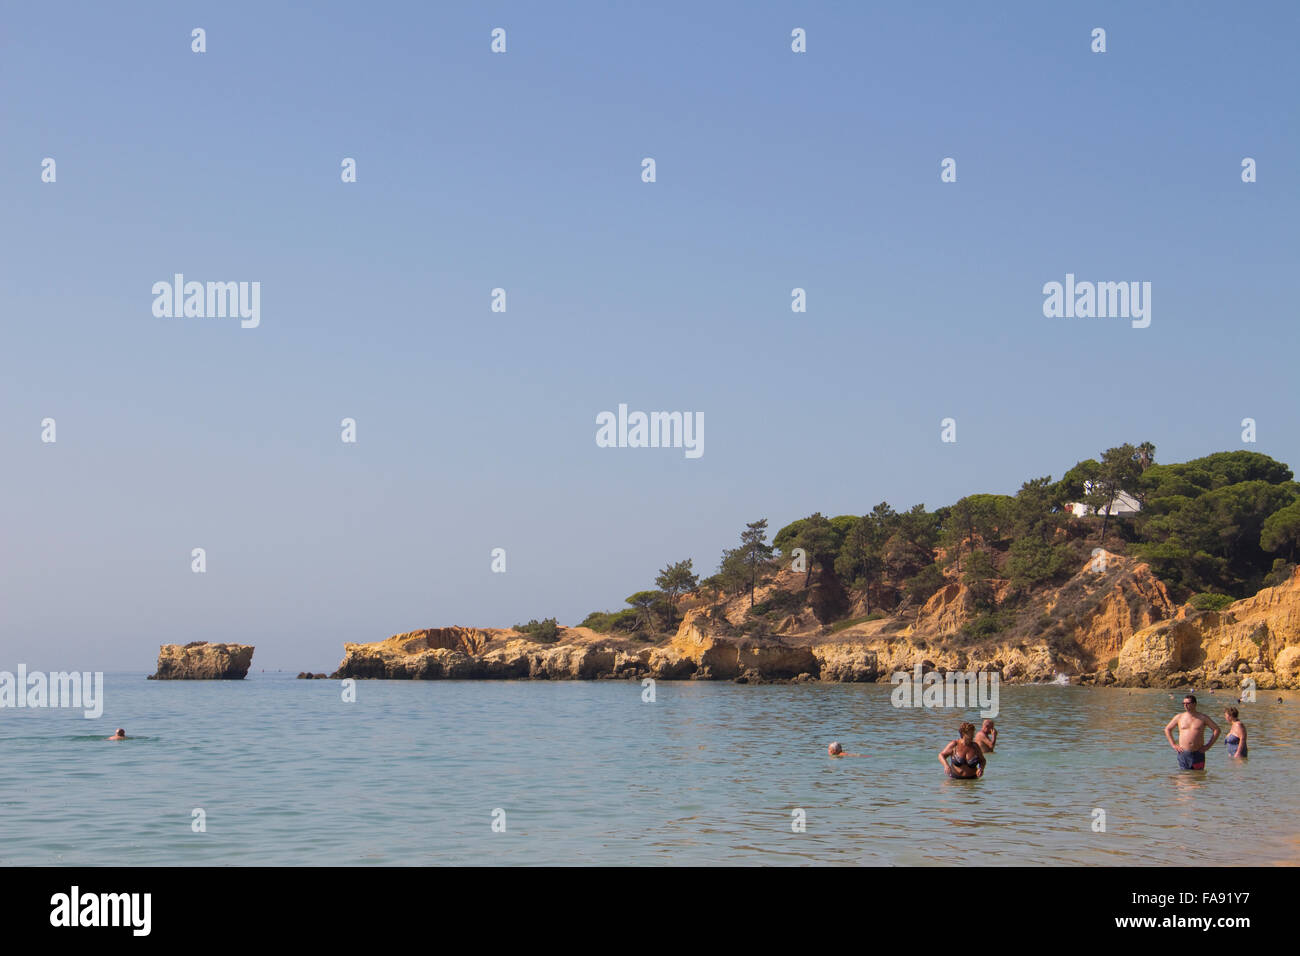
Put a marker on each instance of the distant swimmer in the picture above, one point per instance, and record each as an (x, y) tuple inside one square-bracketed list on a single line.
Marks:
[(120, 735), (987, 738), (962, 758), (1236, 739), (1191, 724), (835, 750)]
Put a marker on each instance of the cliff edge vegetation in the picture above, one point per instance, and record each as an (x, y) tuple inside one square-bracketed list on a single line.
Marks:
[(1122, 571)]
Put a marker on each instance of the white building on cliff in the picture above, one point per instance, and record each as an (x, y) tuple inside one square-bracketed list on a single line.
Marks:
[(1124, 504)]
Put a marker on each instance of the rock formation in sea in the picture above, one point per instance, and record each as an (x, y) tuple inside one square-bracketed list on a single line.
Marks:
[(1116, 626), (200, 660)]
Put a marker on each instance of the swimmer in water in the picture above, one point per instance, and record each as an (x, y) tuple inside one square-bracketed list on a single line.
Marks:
[(835, 750), (987, 738), (962, 758), (120, 735), (1236, 738)]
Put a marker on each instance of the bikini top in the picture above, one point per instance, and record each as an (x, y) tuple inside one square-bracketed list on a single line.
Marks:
[(1232, 739), (962, 761)]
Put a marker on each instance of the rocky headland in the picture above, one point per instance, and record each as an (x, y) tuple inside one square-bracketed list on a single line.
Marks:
[(1116, 626)]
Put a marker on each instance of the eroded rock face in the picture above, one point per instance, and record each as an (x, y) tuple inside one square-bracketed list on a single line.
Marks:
[(464, 653), (1116, 627), (1132, 599), (1257, 637), (200, 660), (848, 662), (1152, 655), (726, 658)]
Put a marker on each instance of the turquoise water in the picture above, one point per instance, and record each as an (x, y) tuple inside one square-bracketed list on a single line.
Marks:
[(585, 772)]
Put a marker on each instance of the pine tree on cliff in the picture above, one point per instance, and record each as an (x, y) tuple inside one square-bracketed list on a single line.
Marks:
[(1282, 530), (860, 559), (643, 603), (958, 529), (674, 581), (756, 551), (818, 540), (1120, 470)]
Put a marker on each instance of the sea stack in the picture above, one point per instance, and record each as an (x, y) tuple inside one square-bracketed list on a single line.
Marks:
[(200, 660)]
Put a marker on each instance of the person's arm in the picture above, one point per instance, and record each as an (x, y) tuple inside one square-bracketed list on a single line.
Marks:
[(1241, 747), (979, 771), (1215, 736), (1169, 736), (945, 753)]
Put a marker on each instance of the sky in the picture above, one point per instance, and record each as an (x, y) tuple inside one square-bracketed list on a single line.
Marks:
[(522, 170)]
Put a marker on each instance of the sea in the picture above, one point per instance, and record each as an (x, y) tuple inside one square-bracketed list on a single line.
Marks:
[(279, 771)]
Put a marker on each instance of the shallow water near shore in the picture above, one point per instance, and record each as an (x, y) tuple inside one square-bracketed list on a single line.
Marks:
[(585, 772)]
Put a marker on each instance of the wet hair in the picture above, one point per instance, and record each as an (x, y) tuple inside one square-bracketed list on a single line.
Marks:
[(967, 729), (1231, 712), (121, 732), (1191, 697)]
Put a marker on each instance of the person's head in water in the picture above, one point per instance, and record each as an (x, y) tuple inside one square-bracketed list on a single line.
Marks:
[(835, 749), (1230, 713), (967, 730), (119, 734), (988, 725)]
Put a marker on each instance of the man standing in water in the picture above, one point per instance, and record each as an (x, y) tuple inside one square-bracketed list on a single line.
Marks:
[(1191, 746)]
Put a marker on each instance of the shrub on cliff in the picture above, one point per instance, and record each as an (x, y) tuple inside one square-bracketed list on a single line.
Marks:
[(1281, 573), (1033, 562), (986, 625), (782, 602), (921, 586), (1211, 602), (547, 631), (607, 622)]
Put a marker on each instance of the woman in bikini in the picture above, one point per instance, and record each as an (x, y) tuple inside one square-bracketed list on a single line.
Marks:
[(962, 758), (1236, 739)]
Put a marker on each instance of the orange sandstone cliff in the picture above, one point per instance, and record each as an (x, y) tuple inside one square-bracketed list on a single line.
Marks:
[(1111, 626)]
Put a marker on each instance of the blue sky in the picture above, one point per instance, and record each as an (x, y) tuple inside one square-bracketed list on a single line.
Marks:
[(476, 429)]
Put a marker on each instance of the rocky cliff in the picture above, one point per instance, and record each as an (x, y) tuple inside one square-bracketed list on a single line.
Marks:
[(1107, 625), (200, 660), (1257, 638)]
